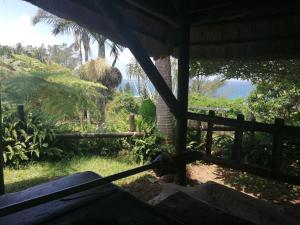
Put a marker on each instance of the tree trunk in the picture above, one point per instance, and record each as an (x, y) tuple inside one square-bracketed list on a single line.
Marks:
[(163, 115), (102, 111), (101, 49)]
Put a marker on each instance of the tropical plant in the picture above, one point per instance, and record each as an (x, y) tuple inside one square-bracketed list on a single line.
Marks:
[(98, 71), (148, 111), (149, 147), (82, 35), (272, 100), (50, 87), (24, 142)]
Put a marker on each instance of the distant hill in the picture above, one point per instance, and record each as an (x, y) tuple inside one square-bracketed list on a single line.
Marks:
[(232, 88)]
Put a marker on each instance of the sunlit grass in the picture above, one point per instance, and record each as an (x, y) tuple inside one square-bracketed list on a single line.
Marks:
[(36, 173)]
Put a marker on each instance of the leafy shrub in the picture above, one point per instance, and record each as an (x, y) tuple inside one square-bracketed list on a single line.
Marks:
[(148, 110), (235, 106), (124, 103), (147, 148), (23, 143)]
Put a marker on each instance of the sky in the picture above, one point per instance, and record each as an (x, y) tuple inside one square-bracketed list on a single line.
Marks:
[(16, 27)]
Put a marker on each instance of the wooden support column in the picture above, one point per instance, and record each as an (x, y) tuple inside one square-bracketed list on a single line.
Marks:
[(2, 189), (209, 133), (238, 140), (183, 88), (120, 25), (277, 145)]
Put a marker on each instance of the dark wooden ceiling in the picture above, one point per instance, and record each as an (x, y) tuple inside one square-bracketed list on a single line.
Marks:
[(219, 29)]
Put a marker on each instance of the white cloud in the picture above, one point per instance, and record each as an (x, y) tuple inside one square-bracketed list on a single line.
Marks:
[(22, 31)]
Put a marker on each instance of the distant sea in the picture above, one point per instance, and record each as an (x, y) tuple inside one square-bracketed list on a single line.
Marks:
[(232, 88)]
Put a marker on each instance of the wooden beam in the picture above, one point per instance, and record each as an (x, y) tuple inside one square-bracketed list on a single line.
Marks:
[(99, 135), (156, 10), (245, 125), (183, 89), (120, 25)]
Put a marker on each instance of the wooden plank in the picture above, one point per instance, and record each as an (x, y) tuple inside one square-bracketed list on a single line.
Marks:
[(121, 26), (238, 140), (99, 135), (209, 138), (182, 90), (157, 9), (246, 125), (277, 145)]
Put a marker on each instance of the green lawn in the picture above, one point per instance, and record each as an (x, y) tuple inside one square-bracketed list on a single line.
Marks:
[(36, 173)]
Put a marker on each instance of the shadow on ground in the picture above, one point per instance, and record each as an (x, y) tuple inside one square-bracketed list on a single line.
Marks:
[(261, 188)]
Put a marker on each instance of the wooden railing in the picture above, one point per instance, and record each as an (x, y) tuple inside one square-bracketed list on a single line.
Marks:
[(239, 126)]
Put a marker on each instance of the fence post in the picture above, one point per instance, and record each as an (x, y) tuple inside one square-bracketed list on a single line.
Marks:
[(252, 133), (21, 116), (132, 127), (238, 140), (209, 133), (277, 145), (198, 132)]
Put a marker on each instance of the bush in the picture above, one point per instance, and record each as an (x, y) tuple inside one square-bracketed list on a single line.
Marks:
[(148, 110), (236, 106), (149, 147), (124, 103), (25, 142)]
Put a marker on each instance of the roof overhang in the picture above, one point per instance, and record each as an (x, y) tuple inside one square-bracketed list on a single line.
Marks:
[(219, 29)]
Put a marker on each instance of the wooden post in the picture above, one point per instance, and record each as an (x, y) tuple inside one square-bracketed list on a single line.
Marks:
[(198, 132), (21, 116), (238, 140), (2, 188), (252, 133), (183, 88), (132, 127), (209, 133), (277, 145)]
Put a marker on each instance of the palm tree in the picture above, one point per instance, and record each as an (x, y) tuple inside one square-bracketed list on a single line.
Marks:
[(134, 70), (82, 35), (163, 115)]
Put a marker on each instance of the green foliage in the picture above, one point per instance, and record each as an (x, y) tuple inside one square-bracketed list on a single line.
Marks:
[(255, 70), (272, 100), (123, 103), (235, 106), (149, 147), (25, 142), (148, 110), (48, 86)]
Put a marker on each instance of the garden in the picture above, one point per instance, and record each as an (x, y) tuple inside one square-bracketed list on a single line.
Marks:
[(49, 91)]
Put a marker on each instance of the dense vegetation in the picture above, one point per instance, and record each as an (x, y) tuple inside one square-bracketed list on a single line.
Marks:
[(62, 95)]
